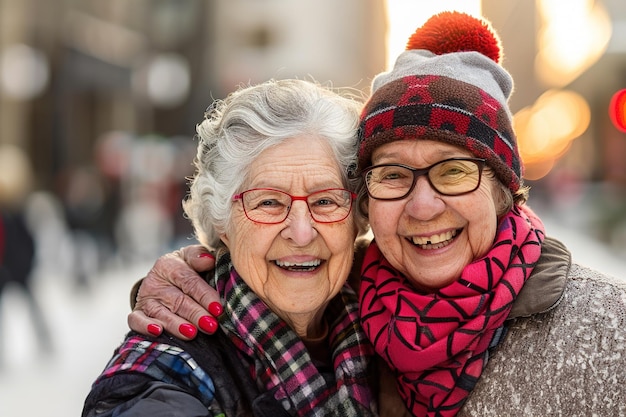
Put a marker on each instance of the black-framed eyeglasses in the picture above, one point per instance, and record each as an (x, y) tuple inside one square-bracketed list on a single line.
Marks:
[(454, 176), (270, 206)]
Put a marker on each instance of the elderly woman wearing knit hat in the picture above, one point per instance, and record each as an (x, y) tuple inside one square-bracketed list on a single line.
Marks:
[(472, 308)]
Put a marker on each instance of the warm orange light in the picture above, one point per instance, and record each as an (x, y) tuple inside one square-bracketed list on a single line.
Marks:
[(570, 39), (617, 110), (546, 129), (537, 170)]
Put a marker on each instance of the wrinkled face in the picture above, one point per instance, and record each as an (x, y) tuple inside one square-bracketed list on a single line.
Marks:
[(298, 265), (427, 236)]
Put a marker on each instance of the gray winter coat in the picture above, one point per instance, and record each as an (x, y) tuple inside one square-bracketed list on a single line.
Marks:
[(565, 350)]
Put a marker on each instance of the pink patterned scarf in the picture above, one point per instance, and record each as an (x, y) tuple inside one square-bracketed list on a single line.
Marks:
[(437, 343)]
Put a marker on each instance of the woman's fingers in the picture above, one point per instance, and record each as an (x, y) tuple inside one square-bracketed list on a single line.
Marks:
[(197, 257), (174, 296), (148, 326), (143, 324), (180, 269)]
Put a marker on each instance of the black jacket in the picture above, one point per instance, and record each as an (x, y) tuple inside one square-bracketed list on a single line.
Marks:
[(135, 394)]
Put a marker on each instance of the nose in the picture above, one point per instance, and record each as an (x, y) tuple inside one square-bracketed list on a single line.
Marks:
[(299, 224), (424, 203)]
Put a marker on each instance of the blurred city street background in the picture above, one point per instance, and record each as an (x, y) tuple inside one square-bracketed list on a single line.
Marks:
[(98, 106)]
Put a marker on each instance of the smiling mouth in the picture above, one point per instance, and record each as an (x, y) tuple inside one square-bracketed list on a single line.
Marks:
[(299, 266), (435, 241)]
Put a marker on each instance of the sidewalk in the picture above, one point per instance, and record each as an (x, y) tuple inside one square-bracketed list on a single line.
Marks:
[(86, 327)]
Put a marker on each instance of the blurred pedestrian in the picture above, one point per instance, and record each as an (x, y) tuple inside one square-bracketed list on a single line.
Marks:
[(17, 245)]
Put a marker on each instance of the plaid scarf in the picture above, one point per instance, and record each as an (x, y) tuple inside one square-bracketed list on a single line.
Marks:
[(437, 343), (282, 364)]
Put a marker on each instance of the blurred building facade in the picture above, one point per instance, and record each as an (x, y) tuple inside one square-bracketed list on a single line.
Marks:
[(153, 66), (95, 90)]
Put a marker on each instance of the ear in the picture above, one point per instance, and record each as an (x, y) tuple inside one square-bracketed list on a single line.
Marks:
[(362, 204), (503, 199), (224, 238)]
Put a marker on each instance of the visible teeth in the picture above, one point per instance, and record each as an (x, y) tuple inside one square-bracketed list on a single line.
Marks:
[(308, 264), (434, 239)]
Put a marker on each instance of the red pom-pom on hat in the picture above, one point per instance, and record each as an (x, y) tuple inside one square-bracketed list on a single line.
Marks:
[(449, 32)]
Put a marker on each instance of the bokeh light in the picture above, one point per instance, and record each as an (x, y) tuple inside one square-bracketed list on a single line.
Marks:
[(24, 72), (571, 38), (546, 129), (617, 110), (164, 80)]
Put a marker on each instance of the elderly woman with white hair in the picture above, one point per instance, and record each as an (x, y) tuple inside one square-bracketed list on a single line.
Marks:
[(272, 193)]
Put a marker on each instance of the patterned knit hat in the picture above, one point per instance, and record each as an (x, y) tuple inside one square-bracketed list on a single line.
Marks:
[(447, 86)]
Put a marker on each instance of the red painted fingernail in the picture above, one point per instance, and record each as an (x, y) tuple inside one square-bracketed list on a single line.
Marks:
[(216, 309), (206, 255), (188, 330), (154, 329), (208, 324)]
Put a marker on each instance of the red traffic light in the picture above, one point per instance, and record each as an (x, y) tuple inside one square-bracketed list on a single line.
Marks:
[(617, 110)]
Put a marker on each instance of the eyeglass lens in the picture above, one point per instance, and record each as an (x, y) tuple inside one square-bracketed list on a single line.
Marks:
[(272, 206), (447, 177)]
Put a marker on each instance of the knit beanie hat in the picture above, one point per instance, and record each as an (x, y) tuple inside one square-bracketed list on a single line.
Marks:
[(447, 86)]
